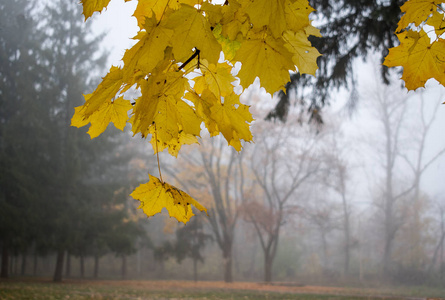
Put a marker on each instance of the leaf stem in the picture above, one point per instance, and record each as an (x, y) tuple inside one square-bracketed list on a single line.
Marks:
[(157, 154)]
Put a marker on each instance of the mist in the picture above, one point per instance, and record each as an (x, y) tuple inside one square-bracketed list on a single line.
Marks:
[(353, 199)]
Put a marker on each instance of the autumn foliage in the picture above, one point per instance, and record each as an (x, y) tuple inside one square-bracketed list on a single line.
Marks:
[(421, 52), (184, 66), (191, 54)]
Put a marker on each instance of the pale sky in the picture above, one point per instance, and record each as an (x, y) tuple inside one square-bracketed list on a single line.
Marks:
[(117, 21)]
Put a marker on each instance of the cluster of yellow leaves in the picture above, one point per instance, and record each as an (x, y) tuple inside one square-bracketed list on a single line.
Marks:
[(183, 63), (421, 52)]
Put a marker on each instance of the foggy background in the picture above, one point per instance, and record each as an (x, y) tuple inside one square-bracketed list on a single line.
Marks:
[(355, 200)]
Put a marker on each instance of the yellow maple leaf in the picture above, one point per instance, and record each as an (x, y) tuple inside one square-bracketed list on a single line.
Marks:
[(217, 78), (311, 30), (115, 112), (158, 8), (105, 91), (438, 22), (235, 21), (203, 103), (213, 12), (110, 111), (146, 54), (297, 14), (161, 112), (91, 6), (229, 47), (416, 12), (192, 30), (420, 59), (267, 59), (159, 93), (304, 55), (233, 120), (156, 195), (174, 145), (267, 13)]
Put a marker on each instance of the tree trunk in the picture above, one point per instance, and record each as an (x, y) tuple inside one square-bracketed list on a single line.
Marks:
[(34, 271), (16, 264), (23, 268), (96, 266), (227, 260), (124, 267), (82, 266), (268, 260), (5, 261), (68, 265), (11, 265), (195, 270), (387, 254), (347, 229), (59, 265), (325, 249)]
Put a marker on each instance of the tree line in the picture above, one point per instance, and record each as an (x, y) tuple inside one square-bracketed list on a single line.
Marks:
[(60, 192)]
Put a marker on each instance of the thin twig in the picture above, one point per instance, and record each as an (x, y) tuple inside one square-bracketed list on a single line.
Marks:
[(190, 59)]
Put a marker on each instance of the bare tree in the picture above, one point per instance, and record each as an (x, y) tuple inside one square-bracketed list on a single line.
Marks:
[(398, 150), (281, 161), (320, 214), (215, 173), (439, 249), (337, 177)]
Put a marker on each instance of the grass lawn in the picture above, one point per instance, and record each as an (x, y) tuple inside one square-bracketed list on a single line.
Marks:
[(132, 290)]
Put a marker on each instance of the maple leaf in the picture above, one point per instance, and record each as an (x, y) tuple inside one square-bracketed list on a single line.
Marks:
[(297, 14), (267, 59), (160, 105), (304, 55), (174, 145), (105, 91), (203, 103), (156, 195), (420, 59), (158, 8), (153, 40), (266, 13), (233, 120), (438, 22), (228, 46), (91, 6), (115, 112), (192, 30), (216, 78), (416, 12), (234, 21)]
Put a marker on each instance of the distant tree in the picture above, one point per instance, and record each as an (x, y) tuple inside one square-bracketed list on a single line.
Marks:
[(281, 163), (54, 186), (69, 56), (190, 241), (338, 178), (392, 113), (122, 241), (23, 134), (216, 182)]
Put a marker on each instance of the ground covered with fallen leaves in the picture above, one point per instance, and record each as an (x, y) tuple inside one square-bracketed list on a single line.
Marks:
[(138, 289)]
